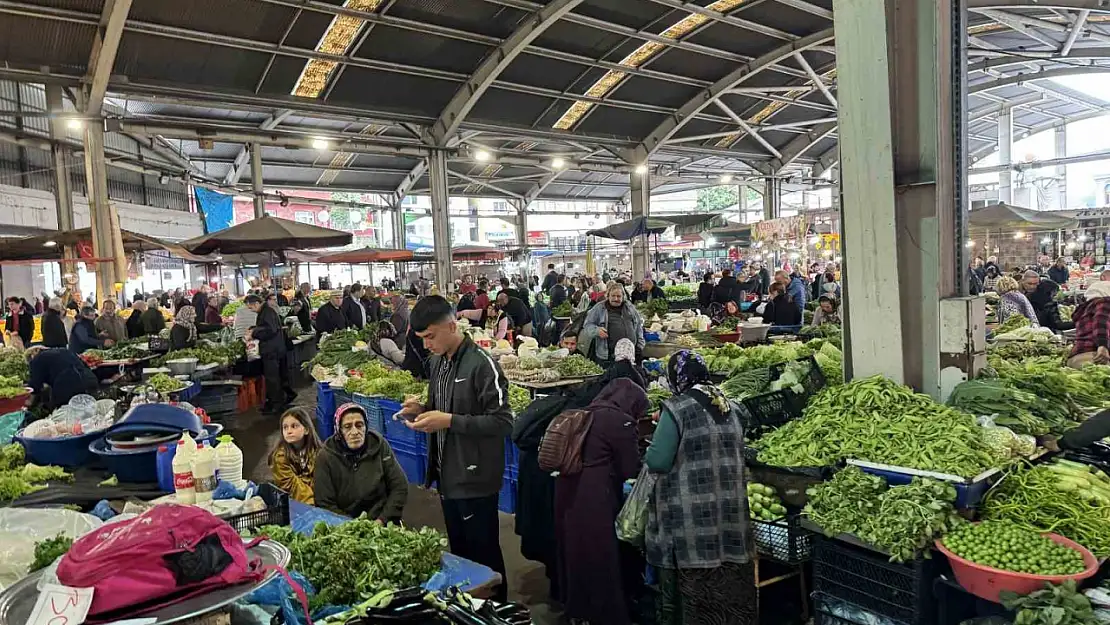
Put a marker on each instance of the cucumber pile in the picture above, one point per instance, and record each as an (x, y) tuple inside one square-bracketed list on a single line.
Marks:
[(764, 503)]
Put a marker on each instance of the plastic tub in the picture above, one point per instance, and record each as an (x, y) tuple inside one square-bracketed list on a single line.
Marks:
[(161, 417), (11, 404), (139, 466), (986, 582), (69, 452)]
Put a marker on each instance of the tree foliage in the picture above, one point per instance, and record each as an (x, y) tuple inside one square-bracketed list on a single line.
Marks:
[(713, 199)]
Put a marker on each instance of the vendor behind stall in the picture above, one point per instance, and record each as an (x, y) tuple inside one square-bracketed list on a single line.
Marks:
[(84, 335), (330, 317), (135, 321), (109, 324), (153, 321), (183, 335), (827, 311), (62, 372), (384, 344), (1092, 327), (780, 310), (54, 332), (356, 472), (293, 460)]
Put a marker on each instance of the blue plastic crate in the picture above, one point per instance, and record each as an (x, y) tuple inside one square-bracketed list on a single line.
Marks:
[(414, 462), (506, 500), (325, 410), (342, 397), (398, 432), (373, 411), (968, 493), (512, 456)]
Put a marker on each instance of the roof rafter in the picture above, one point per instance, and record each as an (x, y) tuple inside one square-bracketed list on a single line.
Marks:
[(109, 31)]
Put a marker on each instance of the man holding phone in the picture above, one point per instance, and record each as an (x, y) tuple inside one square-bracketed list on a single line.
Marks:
[(467, 417)]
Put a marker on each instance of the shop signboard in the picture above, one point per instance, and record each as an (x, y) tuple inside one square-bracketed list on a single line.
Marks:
[(537, 237)]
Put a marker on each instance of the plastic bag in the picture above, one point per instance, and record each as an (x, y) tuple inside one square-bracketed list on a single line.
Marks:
[(633, 517), (278, 593), (21, 528)]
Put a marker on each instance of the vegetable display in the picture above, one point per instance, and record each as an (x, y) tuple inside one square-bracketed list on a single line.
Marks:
[(335, 349), (49, 550), (900, 520), (1020, 350), (1012, 323), (830, 359), (656, 396), (1064, 497), (562, 310), (747, 383), (164, 383), (829, 331), (375, 379), (352, 561), (764, 503), (208, 354), (678, 291), (1007, 546), (231, 308), (11, 387), (650, 309), (877, 420), (519, 398), (576, 366), (733, 359), (1053, 605), (19, 478), (118, 352), (14, 364), (1075, 393), (1010, 407)]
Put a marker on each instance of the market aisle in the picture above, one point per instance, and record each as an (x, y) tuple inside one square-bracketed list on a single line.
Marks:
[(256, 435)]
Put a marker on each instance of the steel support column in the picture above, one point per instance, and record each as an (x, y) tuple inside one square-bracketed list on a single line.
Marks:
[(521, 227), (640, 192), (100, 211), (441, 220), (256, 181), (772, 198), (1061, 138), (903, 213), (397, 217), (63, 195), (1005, 155)]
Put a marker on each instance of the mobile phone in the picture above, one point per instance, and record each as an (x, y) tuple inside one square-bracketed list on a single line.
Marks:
[(400, 415)]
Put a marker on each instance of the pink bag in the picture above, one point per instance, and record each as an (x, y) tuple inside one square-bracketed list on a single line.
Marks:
[(166, 555)]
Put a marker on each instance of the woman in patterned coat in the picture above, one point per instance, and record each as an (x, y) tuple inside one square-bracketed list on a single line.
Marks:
[(698, 535)]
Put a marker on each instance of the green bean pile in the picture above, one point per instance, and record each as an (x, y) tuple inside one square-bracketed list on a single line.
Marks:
[(1042, 500), (876, 420)]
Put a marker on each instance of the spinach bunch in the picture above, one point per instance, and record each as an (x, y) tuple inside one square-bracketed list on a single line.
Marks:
[(1053, 605)]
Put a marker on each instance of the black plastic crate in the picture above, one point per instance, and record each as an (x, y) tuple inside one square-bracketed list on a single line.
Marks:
[(832, 611), (784, 540), (158, 345), (217, 400), (771, 410), (791, 483), (898, 591), (276, 512)]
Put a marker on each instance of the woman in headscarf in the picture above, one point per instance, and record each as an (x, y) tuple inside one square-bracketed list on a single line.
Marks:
[(183, 335), (357, 472), (702, 552), (293, 459), (1013, 302), (586, 506), (384, 344), (625, 366), (400, 318)]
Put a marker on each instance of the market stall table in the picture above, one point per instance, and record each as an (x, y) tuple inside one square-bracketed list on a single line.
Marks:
[(474, 578), (533, 387)]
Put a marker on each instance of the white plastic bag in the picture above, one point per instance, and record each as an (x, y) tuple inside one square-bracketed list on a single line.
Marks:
[(21, 528)]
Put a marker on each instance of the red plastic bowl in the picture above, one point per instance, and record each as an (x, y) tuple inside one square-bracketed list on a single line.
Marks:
[(986, 582), (16, 402)]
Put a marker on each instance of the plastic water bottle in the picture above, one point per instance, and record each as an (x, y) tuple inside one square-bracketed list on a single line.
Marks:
[(230, 460), (204, 473), (183, 483), (190, 444)]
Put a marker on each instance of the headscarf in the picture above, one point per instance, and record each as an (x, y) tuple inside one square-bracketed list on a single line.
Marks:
[(624, 396), (339, 412), (686, 371), (186, 318), (625, 350), (400, 316), (302, 459)]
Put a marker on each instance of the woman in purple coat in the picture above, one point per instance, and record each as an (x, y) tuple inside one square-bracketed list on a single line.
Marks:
[(586, 507)]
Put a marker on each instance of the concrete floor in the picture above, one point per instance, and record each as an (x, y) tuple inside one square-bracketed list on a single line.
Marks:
[(256, 436)]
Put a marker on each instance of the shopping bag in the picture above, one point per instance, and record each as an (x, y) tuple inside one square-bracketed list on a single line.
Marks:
[(633, 517)]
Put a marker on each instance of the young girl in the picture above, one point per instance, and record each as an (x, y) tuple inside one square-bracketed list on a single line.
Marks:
[(293, 460)]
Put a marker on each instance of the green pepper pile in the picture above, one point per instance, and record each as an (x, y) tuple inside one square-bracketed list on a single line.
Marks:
[(900, 520), (519, 398), (164, 383), (877, 420)]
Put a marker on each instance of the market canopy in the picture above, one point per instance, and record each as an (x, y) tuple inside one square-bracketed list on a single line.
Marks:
[(466, 253), (254, 258), (266, 234), (638, 226), (366, 255), (49, 246), (1005, 216)]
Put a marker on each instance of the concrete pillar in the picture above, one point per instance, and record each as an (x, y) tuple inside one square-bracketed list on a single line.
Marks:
[(63, 194), (772, 198), (742, 203), (256, 181), (441, 220), (640, 186), (1006, 155), (521, 226), (1061, 138), (397, 214), (902, 126), (100, 212)]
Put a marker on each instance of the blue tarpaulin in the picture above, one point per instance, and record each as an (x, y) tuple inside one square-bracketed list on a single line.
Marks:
[(218, 209)]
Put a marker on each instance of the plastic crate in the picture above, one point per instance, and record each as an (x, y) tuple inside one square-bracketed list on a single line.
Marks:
[(832, 611), (968, 493), (398, 432), (341, 397), (512, 456), (325, 410), (771, 410), (791, 483), (217, 400), (506, 500), (414, 462), (898, 591), (373, 411), (784, 540), (276, 512)]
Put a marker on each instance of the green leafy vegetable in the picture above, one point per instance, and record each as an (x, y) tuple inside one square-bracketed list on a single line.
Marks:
[(1053, 605), (1012, 323), (164, 383), (519, 398), (49, 550), (578, 366)]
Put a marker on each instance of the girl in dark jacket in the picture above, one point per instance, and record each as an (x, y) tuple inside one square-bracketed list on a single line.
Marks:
[(781, 311)]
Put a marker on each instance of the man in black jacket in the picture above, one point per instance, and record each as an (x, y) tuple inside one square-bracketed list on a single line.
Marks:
[(559, 291), (271, 346), (353, 309), (551, 279), (1041, 293), (517, 311), (53, 328), (330, 317), (725, 291), (200, 300), (63, 372), (468, 417)]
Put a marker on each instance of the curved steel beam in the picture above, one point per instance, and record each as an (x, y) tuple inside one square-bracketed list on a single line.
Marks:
[(800, 144), (1048, 73), (669, 126), (1066, 5), (987, 150), (491, 67)]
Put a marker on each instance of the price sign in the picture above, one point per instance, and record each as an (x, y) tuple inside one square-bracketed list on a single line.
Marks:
[(61, 605)]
